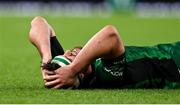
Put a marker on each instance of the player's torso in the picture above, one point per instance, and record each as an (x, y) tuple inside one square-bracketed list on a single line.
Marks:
[(145, 67)]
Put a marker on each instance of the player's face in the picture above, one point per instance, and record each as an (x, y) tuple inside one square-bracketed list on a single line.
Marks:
[(71, 54)]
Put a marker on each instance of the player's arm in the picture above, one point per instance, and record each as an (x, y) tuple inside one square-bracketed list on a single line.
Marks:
[(106, 44), (39, 35), (43, 36)]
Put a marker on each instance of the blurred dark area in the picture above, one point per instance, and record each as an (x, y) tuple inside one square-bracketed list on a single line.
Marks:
[(154, 1), (105, 8), (93, 1)]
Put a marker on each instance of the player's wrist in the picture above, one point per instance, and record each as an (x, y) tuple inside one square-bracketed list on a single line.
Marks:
[(46, 59), (75, 68)]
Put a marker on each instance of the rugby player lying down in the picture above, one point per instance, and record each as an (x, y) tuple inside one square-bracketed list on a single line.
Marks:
[(104, 61)]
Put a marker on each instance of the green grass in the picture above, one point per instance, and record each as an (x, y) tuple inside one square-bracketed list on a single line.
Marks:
[(20, 78), (96, 96)]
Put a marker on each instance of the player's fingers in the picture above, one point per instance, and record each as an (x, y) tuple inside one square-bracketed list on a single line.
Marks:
[(57, 86), (50, 77), (52, 83), (49, 72), (43, 73)]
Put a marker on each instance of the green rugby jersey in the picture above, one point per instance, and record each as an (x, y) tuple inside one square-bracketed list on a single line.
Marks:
[(140, 67), (160, 51)]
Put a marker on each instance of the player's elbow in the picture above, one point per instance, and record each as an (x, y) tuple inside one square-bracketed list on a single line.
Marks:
[(37, 20), (110, 27), (111, 30)]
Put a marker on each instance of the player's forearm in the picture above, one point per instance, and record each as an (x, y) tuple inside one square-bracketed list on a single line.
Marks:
[(106, 43), (40, 37)]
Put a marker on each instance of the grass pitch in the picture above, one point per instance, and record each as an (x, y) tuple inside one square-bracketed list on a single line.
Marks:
[(20, 78)]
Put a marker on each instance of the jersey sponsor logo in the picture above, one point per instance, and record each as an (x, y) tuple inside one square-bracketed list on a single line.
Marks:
[(116, 73), (120, 62)]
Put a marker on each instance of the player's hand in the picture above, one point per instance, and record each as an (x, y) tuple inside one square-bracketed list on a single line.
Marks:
[(63, 77), (45, 73)]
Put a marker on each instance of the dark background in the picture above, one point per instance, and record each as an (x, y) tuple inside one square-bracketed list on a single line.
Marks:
[(166, 1), (56, 0), (93, 1)]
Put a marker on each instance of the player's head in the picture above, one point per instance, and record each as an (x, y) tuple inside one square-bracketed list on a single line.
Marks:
[(71, 54), (60, 60)]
